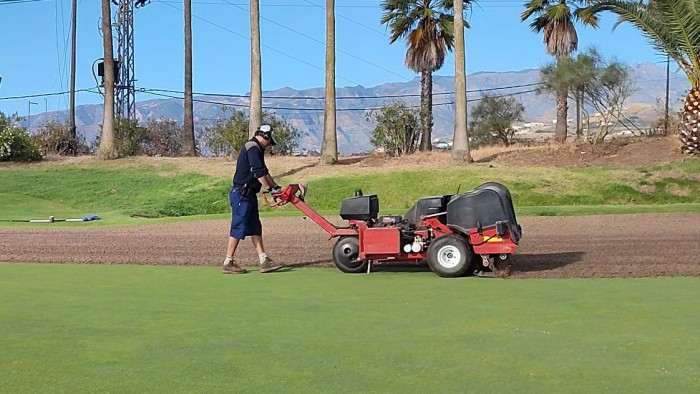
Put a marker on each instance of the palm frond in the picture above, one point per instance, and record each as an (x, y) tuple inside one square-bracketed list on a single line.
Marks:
[(672, 27)]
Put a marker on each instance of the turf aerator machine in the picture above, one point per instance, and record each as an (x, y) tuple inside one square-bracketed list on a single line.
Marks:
[(472, 232)]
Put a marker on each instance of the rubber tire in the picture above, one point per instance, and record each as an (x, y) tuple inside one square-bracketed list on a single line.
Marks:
[(345, 250), (456, 242)]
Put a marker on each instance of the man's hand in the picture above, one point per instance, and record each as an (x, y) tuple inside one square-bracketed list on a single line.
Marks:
[(275, 189)]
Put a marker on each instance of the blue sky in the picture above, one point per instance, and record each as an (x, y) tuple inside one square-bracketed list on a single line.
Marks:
[(34, 46)]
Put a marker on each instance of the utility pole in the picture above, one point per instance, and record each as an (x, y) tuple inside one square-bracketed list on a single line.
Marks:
[(71, 118), (29, 114), (668, 67), (125, 88)]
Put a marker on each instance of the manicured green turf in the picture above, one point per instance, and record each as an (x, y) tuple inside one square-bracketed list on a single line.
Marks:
[(156, 192), (72, 328)]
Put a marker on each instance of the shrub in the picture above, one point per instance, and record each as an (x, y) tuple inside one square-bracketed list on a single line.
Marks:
[(15, 143), (128, 137), (228, 135), (163, 138), (397, 129), (54, 138)]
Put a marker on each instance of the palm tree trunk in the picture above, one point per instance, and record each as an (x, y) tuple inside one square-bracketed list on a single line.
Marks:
[(188, 142), (330, 139), (560, 130), (689, 132), (426, 110), (460, 139), (107, 149), (255, 70), (73, 133)]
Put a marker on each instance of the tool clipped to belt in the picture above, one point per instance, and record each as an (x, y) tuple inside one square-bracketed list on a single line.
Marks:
[(245, 191)]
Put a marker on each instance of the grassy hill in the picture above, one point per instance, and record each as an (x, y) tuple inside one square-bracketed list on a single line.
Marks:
[(177, 187)]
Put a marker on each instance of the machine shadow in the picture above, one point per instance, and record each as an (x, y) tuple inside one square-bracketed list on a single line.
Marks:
[(544, 261)]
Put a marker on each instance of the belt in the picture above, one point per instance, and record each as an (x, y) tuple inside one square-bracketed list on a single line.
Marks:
[(244, 191)]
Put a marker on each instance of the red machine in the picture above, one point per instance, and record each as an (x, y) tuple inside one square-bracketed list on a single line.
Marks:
[(456, 234)]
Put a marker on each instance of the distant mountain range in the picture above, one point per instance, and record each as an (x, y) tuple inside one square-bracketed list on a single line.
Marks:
[(354, 129)]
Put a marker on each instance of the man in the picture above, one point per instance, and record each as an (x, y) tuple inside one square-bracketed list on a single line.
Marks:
[(250, 176)]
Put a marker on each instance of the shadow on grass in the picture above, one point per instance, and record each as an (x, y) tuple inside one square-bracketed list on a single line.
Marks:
[(520, 263), (544, 262)]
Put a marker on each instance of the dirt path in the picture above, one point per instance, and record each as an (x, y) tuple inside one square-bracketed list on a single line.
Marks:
[(552, 247)]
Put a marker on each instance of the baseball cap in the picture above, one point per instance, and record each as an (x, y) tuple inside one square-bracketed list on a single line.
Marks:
[(266, 132)]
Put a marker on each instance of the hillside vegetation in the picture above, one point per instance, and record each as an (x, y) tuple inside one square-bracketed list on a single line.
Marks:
[(175, 187)]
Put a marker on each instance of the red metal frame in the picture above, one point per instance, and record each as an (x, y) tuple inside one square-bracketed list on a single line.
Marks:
[(384, 243)]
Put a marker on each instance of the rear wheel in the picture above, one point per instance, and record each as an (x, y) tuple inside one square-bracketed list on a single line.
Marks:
[(345, 256), (449, 256)]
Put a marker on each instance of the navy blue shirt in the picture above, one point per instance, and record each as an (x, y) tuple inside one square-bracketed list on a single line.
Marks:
[(250, 166)]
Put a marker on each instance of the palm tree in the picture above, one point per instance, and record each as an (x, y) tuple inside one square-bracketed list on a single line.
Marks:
[(673, 27), (255, 70), (107, 149), (555, 19), (330, 139), (460, 140), (188, 142), (428, 27)]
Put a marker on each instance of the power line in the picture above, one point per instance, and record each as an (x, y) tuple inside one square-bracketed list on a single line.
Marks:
[(359, 97), (154, 93), (322, 43), (266, 46), (8, 2), (44, 94)]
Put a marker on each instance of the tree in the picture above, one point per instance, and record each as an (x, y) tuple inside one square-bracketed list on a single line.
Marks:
[(107, 149), (607, 93), (570, 74), (230, 133), (555, 19), (493, 118), (673, 27), (428, 26), (595, 82), (255, 70), (397, 128), (329, 151), (188, 141), (460, 140)]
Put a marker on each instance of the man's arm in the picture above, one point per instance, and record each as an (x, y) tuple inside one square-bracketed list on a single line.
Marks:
[(265, 181), (258, 167)]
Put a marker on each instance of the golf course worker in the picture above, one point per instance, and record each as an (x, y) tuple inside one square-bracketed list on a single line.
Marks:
[(250, 177)]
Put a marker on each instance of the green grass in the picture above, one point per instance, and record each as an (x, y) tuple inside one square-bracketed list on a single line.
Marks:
[(122, 194), (77, 328)]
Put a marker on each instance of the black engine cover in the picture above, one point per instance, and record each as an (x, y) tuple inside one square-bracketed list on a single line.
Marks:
[(360, 208)]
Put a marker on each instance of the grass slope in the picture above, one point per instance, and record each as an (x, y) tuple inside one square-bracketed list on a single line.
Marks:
[(167, 191), (72, 328)]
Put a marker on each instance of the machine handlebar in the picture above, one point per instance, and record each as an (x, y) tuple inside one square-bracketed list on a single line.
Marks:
[(287, 195)]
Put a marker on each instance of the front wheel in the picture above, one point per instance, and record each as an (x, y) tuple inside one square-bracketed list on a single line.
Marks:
[(449, 256), (346, 253)]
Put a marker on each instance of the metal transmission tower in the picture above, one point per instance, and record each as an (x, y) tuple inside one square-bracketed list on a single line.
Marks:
[(125, 89)]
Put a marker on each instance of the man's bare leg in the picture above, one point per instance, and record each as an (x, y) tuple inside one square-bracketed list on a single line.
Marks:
[(258, 243), (232, 246), (266, 263), (230, 266)]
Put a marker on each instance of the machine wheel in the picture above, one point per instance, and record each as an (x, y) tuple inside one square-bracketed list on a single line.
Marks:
[(449, 256), (345, 254)]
